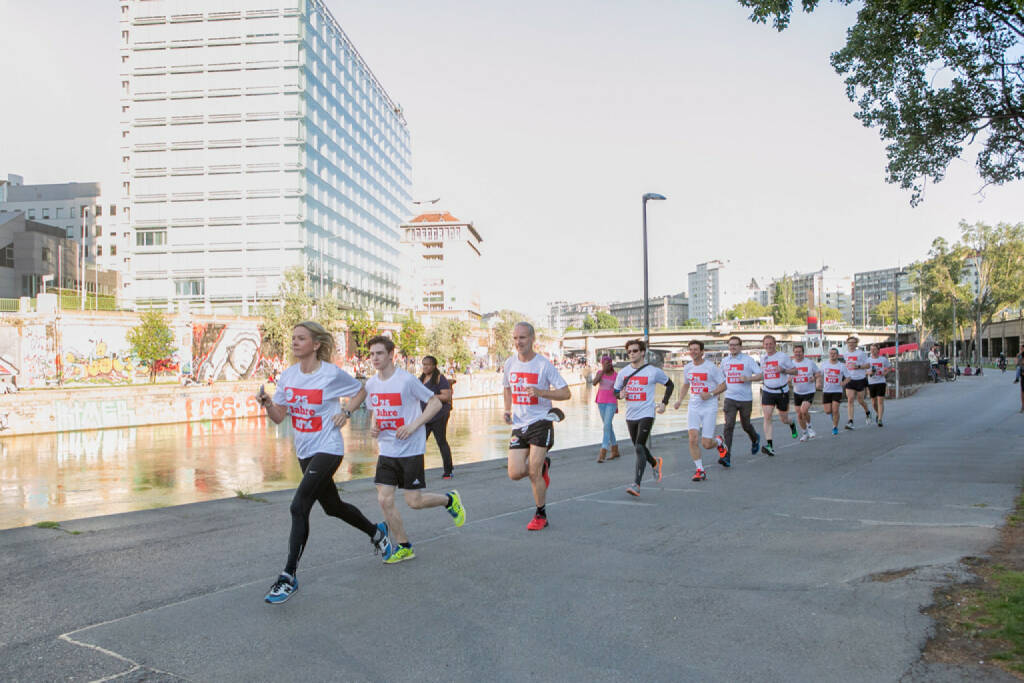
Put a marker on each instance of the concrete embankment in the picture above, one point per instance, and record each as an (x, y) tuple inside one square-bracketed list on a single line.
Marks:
[(111, 406)]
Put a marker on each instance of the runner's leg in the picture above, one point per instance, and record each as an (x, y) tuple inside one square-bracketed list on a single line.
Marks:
[(731, 408), (419, 499), (766, 412), (386, 498), (536, 464), (302, 503), (745, 409), (333, 505)]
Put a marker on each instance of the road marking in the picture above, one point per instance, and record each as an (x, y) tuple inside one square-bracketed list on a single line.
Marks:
[(852, 500), (880, 522), (614, 502)]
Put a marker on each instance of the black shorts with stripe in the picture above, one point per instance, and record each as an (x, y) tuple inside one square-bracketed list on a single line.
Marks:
[(540, 433)]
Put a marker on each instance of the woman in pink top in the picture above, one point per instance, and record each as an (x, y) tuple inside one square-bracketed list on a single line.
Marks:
[(608, 405)]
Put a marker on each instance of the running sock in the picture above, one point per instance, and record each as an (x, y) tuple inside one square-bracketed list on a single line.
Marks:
[(769, 443), (699, 463), (449, 503), (542, 511), (405, 545)]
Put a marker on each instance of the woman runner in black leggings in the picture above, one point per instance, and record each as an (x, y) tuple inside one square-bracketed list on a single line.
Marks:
[(438, 383), (309, 393)]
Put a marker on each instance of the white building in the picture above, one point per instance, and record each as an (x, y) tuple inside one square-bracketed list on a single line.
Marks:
[(255, 138), (88, 217), (445, 262), (714, 288)]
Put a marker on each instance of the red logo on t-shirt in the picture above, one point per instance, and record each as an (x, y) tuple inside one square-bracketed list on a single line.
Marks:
[(386, 408), (803, 374), (771, 369), (304, 418), (302, 423), (390, 423), (698, 382), (520, 383), (636, 389), (832, 375), (734, 373), (312, 397)]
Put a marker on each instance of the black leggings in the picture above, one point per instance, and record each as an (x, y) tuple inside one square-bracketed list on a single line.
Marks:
[(439, 428), (318, 485), (639, 430)]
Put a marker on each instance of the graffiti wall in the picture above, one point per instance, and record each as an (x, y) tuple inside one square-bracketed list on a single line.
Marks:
[(230, 351)]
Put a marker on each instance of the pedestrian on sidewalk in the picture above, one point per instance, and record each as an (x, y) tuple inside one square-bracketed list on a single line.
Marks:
[(438, 426), (309, 392), (608, 406)]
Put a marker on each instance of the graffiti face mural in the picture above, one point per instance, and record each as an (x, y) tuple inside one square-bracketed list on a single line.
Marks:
[(229, 351)]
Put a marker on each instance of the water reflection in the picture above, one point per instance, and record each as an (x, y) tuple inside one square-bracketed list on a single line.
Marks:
[(83, 474)]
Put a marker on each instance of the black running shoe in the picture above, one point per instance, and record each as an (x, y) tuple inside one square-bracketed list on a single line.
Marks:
[(849, 425), (725, 462), (792, 430), (767, 450)]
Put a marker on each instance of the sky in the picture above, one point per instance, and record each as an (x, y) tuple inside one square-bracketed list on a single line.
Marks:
[(544, 122)]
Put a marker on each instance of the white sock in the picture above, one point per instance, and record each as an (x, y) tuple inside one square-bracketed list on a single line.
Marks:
[(699, 464)]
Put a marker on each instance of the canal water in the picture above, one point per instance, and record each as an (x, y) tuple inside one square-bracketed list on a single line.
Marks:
[(69, 475)]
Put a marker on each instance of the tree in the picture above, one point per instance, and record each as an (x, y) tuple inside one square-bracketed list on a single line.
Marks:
[(997, 254), (410, 338), (360, 329), (747, 310), (502, 346), (824, 313), (784, 303), (884, 311), (295, 304), (607, 321), (447, 342), (939, 280), (152, 340), (933, 76), (589, 323)]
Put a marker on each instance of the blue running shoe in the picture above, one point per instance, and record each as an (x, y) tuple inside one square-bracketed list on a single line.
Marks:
[(382, 541), (756, 446), (835, 431), (282, 589)]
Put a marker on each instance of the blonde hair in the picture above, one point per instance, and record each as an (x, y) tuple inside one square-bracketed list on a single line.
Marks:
[(325, 351)]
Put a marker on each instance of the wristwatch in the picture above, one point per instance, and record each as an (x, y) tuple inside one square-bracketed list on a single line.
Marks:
[(347, 412)]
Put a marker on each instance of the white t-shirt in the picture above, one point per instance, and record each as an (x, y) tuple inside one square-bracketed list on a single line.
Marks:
[(703, 379), (879, 365), (312, 402), (773, 366), (853, 358), (639, 390), (832, 376), (733, 367), (803, 380), (519, 376), (395, 402)]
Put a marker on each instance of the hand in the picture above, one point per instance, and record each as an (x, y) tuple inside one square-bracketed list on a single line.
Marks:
[(375, 430), (675, 406), (660, 409), (706, 396), (533, 392), (263, 400), (744, 378), (339, 420), (508, 418), (403, 432)]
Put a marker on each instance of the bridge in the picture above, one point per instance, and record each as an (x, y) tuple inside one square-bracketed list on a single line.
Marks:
[(675, 339)]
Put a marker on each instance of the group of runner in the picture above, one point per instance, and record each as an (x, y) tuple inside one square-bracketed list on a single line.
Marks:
[(855, 372)]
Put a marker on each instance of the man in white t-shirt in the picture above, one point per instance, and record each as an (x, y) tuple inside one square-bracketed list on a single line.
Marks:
[(705, 382), (880, 368), (740, 370), (637, 383), (776, 367), (398, 423), (531, 383), (833, 375), (857, 371), (806, 382)]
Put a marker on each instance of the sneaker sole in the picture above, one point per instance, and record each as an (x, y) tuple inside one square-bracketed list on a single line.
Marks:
[(633, 493), (538, 529)]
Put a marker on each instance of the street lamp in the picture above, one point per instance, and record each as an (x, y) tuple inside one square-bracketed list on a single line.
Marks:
[(647, 309)]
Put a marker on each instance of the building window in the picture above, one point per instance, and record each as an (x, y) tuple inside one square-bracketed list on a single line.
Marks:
[(99, 250), (189, 287), (60, 213), (151, 238), (99, 210), (31, 214), (86, 251), (113, 209), (7, 256), (46, 213), (98, 229), (113, 250), (47, 255)]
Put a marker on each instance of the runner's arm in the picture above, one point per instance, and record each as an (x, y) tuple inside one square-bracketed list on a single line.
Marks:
[(433, 406), (669, 386), (508, 405), (562, 394), (720, 389), (682, 392)]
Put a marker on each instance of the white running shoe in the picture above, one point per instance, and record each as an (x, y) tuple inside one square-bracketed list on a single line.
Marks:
[(803, 437), (810, 432)]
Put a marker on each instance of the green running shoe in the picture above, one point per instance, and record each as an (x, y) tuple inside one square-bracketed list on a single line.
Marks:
[(455, 509), (401, 554)]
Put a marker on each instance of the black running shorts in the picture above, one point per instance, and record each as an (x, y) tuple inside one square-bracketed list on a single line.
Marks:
[(857, 384), (798, 399), (404, 473), (832, 397), (779, 400), (540, 433), (877, 389)]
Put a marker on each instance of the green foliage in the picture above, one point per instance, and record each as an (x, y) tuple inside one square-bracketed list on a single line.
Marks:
[(502, 345), (937, 280), (447, 342), (998, 254), (784, 303), (602, 321), (151, 340), (830, 314), (884, 312), (933, 76), (295, 304), (747, 310), (411, 337), (360, 329)]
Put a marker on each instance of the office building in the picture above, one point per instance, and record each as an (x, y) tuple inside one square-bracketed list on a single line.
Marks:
[(563, 315), (444, 254), (255, 138), (671, 310), (872, 287)]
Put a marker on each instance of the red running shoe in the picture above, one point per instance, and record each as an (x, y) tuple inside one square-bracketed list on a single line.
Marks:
[(537, 523), (699, 475)]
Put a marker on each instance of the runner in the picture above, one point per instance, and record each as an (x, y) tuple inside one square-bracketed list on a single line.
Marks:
[(638, 380), (740, 370), (880, 367), (398, 421), (806, 381), (833, 373), (706, 381), (856, 370), (775, 390), (531, 382), (438, 426), (607, 405), (309, 392)]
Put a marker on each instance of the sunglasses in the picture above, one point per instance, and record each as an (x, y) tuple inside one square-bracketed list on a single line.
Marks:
[(633, 350)]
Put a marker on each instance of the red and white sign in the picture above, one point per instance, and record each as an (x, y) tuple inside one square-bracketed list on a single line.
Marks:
[(520, 383), (636, 389), (386, 408)]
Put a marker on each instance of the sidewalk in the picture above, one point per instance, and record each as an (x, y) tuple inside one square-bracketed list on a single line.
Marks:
[(812, 565)]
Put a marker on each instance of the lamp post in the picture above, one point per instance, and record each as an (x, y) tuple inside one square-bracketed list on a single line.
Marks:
[(647, 310), (896, 317)]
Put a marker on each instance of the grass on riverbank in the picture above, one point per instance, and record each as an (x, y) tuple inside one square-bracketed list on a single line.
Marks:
[(984, 621), (57, 526), (245, 495)]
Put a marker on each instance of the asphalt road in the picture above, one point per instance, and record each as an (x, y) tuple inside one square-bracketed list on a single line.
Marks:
[(770, 571)]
